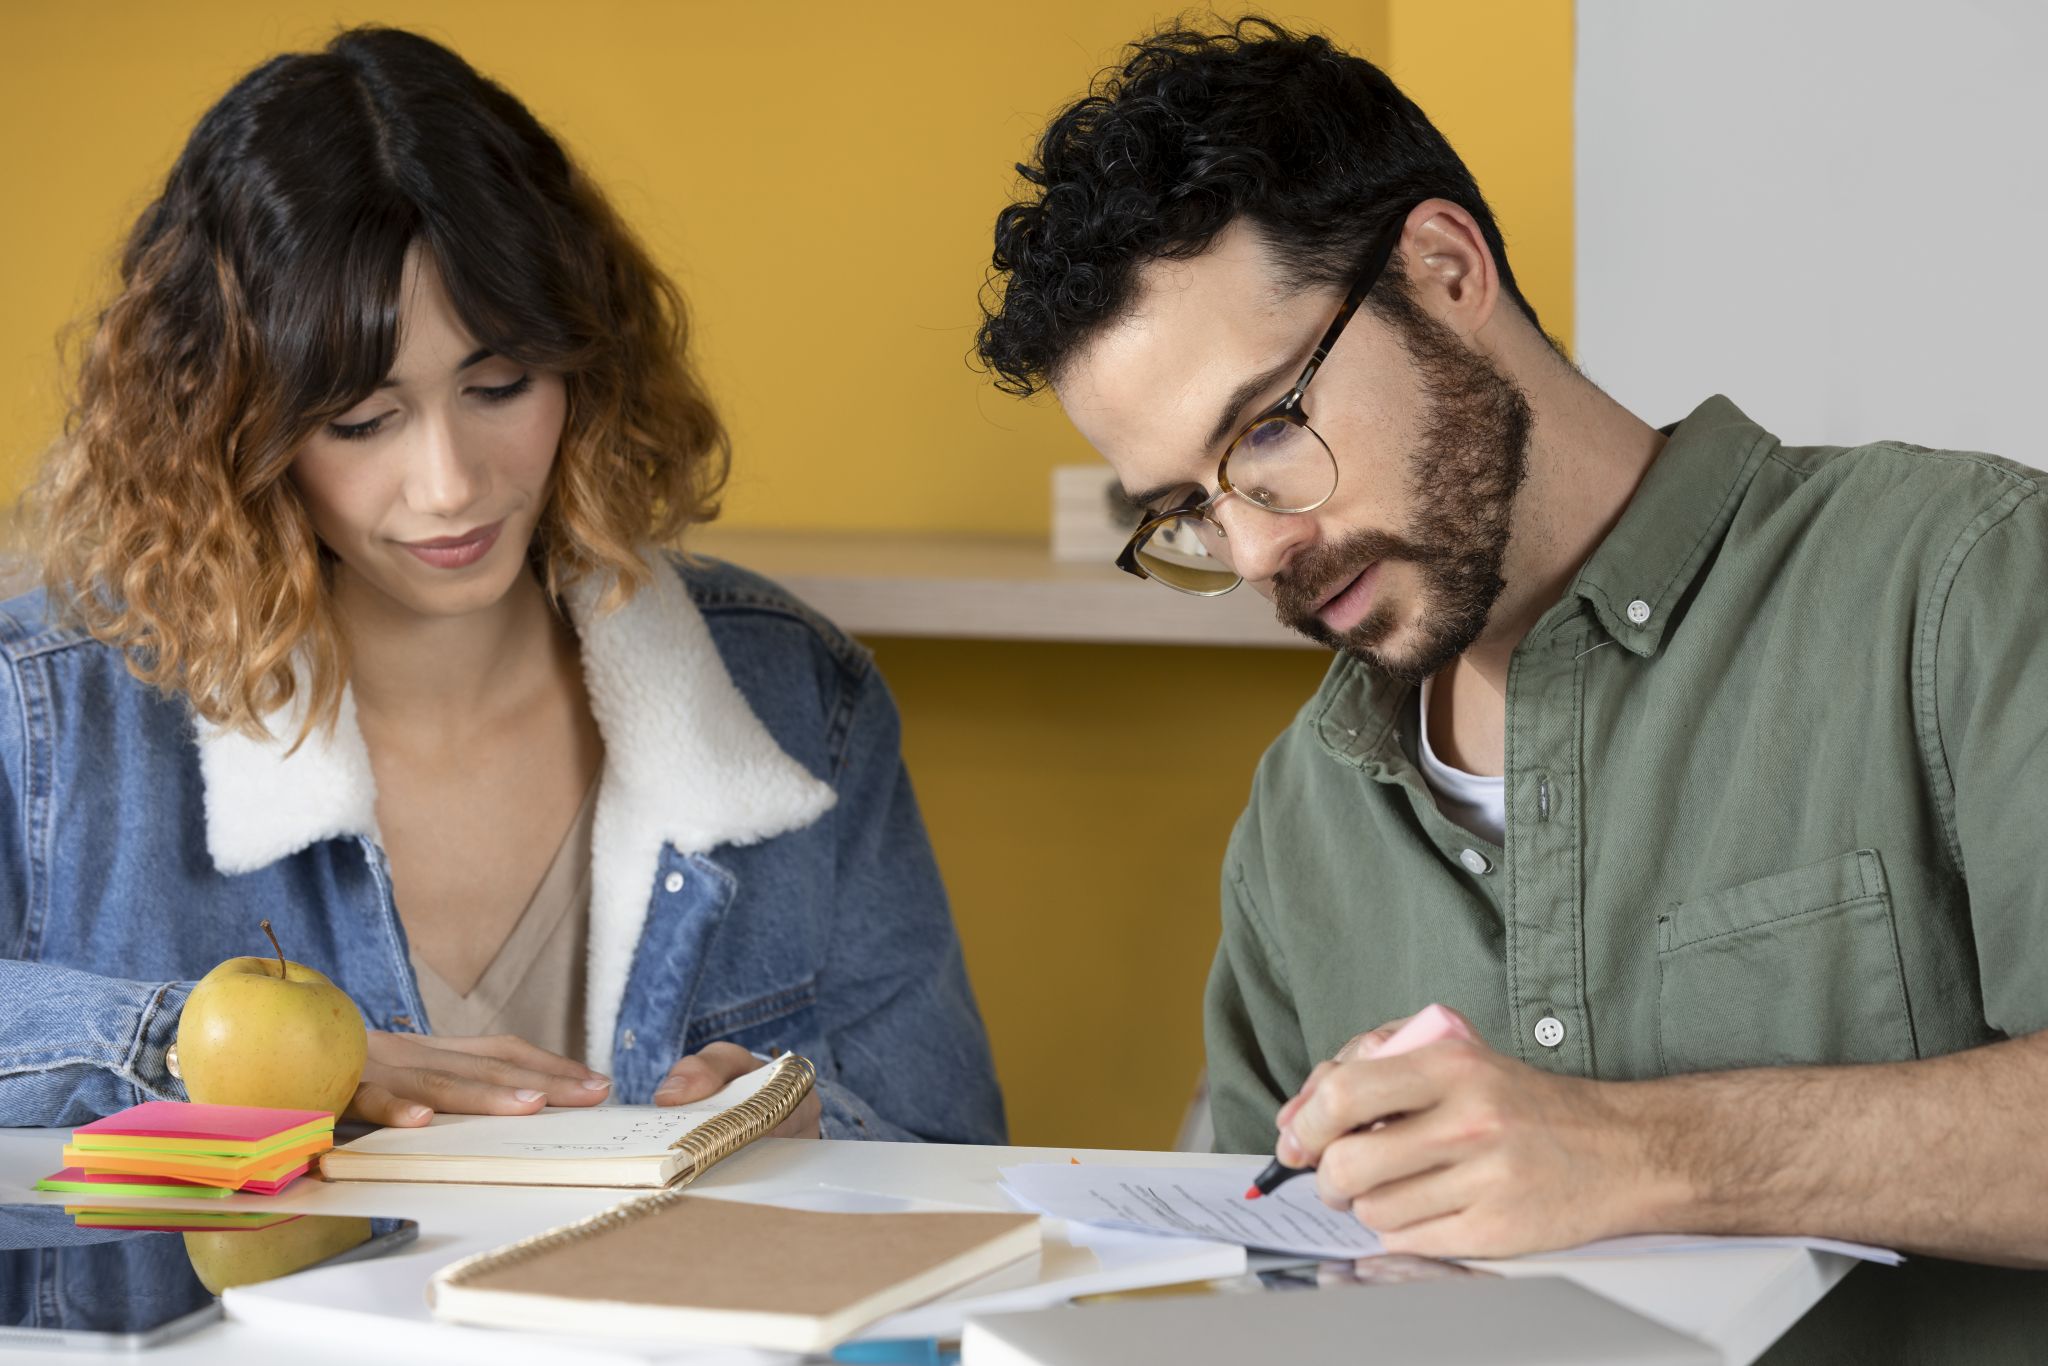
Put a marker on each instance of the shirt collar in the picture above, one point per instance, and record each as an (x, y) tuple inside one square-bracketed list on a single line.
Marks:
[(686, 759), (1642, 569), (1671, 527)]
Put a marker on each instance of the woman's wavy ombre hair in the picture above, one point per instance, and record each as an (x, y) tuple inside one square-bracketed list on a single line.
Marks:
[(259, 298)]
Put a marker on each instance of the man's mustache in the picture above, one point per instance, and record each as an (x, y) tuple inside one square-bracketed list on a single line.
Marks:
[(1302, 586)]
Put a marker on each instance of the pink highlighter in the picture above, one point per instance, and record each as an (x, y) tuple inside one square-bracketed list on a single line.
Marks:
[(1425, 1027)]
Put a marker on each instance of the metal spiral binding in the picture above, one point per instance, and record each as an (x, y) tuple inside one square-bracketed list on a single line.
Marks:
[(729, 1131), (718, 1137)]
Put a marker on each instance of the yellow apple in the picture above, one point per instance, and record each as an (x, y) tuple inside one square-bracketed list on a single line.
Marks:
[(262, 1031), (244, 1256)]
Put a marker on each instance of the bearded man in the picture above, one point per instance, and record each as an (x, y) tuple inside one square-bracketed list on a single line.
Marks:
[(1705, 775)]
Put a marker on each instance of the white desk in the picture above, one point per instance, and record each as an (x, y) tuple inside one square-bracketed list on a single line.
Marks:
[(1738, 1301)]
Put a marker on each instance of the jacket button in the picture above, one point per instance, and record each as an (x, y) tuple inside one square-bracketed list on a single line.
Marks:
[(627, 1041), (672, 884)]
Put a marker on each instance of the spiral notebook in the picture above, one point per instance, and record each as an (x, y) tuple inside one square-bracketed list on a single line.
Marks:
[(603, 1145), (676, 1266)]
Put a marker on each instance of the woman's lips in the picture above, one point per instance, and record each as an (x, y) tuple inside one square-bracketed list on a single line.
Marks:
[(1350, 604), (456, 552)]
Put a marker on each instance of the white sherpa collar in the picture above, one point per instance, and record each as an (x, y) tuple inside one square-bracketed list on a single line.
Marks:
[(687, 763)]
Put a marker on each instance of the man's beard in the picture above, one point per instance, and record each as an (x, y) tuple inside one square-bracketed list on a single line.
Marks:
[(1463, 478)]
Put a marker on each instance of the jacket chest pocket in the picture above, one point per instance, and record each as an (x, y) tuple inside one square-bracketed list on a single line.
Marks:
[(777, 1020), (1798, 967)]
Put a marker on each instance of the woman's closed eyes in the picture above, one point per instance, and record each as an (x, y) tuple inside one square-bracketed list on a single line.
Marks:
[(500, 393)]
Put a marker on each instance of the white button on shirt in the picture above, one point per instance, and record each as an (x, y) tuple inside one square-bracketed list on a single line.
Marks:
[(672, 884), (1639, 611), (1550, 1031)]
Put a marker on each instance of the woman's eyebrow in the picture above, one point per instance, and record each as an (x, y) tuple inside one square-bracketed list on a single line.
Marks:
[(482, 353)]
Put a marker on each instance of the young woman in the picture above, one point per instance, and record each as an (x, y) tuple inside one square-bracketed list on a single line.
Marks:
[(354, 620)]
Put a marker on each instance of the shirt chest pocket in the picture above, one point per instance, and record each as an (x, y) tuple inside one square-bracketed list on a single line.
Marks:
[(1798, 967)]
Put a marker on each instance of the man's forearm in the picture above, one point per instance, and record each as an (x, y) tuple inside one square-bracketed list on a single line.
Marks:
[(1941, 1157)]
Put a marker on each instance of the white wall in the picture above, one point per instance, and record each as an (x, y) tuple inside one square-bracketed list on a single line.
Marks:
[(1833, 211)]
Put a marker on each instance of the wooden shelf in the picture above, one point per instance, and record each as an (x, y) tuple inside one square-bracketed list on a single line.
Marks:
[(962, 588), (986, 588)]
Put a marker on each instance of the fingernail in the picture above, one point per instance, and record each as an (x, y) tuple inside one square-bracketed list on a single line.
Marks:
[(526, 1095), (597, 1084), (417, 1114), (665, 1094), (1288, 1151)]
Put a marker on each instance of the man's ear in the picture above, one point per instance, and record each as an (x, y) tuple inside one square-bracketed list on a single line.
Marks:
[(1451, 271)]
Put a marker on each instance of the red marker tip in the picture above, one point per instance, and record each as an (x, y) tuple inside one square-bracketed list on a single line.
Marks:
[(1252, 1193)]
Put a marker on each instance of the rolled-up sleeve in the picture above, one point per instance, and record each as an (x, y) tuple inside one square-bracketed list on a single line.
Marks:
[(1990, 697)]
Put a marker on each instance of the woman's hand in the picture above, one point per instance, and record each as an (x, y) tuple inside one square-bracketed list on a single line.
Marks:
[(409, 1076), (706, 1073)]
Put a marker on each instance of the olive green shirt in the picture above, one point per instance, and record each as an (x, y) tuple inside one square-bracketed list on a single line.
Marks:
[(1777, 792)]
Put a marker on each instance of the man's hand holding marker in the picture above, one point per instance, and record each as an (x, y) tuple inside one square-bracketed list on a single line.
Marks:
[(1426, 1026)]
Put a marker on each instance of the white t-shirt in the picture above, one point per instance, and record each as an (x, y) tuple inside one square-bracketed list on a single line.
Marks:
[(1468, 800)]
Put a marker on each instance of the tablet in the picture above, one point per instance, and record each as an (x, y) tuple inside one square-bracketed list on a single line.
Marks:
[(121, 1280)]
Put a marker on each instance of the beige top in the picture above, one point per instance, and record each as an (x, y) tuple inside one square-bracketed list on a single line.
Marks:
[(534, 987)]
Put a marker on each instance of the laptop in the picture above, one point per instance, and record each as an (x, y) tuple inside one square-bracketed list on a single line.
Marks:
[(1476, 1321)]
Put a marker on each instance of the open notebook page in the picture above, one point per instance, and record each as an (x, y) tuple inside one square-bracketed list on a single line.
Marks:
[(564, 1132)]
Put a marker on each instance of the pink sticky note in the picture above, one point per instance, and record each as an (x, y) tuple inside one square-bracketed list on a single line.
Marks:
[(1427, 1026), (182, 1119), (80, 1174), (273, 1187)]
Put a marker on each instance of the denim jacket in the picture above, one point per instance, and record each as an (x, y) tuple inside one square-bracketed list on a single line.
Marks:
[(759, 869)]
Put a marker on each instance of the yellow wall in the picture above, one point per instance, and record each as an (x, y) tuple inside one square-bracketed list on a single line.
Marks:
[(821, 180), (1495, 76)]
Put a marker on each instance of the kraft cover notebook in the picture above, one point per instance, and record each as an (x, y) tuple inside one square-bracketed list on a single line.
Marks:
[(676, 1266), (602, 1145)]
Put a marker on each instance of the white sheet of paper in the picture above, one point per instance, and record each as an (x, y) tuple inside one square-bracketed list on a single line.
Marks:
[(596, 1131), (1208, 1202), (1192, 1202)]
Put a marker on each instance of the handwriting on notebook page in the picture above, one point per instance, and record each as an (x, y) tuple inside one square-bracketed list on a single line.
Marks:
[(595, 1131)]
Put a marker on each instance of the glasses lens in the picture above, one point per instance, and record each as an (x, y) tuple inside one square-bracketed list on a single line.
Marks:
[(1187, 553), (1282, 466)]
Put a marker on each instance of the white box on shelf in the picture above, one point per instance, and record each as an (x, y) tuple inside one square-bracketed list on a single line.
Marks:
[(1090, 518)]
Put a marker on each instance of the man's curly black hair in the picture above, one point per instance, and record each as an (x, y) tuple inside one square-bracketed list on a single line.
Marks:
[(1315, 147)]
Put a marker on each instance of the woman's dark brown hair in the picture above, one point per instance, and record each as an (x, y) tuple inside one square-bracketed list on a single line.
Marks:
[(259, 298)]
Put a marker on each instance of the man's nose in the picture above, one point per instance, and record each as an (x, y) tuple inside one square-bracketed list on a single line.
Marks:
[(1261, 543)]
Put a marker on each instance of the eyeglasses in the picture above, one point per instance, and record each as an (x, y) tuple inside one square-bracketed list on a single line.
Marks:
[(1277, 463)]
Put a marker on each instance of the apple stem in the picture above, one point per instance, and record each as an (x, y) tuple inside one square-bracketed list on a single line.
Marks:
[(281, 975)]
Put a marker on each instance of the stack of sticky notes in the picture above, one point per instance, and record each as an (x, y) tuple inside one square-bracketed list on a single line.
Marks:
[(167, 1148)]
